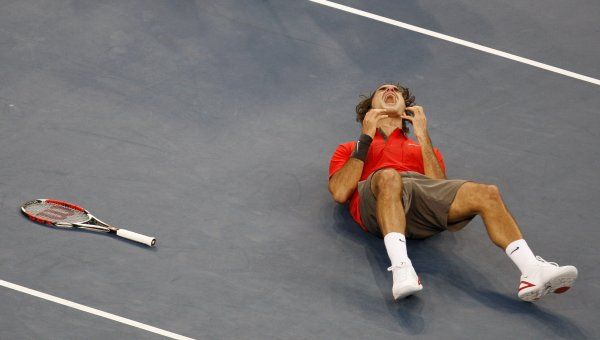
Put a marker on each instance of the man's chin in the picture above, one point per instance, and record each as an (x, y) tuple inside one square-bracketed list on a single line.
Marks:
[(392, 107)]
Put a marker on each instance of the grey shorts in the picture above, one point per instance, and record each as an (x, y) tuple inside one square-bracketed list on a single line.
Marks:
[(426, 204)]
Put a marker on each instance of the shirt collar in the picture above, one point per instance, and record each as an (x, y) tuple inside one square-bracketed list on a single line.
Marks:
[(396, 133)]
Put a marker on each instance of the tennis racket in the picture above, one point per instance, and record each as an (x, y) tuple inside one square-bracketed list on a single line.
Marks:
[(68, 215)]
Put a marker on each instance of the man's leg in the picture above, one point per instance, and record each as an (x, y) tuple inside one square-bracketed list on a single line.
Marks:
[(538, 276), (387, 188), (386, 185), (485, 200)]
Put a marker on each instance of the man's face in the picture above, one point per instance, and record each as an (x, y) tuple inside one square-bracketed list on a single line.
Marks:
[(388, 97)]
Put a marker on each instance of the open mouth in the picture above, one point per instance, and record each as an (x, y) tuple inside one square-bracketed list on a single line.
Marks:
[(389, 98)]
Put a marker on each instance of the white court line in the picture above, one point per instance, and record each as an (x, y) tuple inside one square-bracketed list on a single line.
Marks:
[(93, 311), (458, 41)]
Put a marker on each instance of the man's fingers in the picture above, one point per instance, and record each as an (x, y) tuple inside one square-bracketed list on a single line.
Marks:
[(381, 117), (378, 112), (414, 109)]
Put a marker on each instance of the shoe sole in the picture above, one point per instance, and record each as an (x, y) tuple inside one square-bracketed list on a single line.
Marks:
[(408, 293), (557, 285)]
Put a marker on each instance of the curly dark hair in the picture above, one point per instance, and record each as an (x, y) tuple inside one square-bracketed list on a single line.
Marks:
[(365, 104)]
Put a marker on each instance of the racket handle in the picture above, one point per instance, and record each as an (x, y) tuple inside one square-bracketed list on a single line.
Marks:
[(130, 235)]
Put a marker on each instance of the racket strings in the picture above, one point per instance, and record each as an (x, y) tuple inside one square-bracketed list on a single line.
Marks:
[(56, 213)]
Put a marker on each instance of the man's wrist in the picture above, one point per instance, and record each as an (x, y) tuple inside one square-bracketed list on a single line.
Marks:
[(362, 147), (370, 134), (421, 136)]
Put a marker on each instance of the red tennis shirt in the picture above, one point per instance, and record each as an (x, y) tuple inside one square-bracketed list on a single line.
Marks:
[(397, 151)]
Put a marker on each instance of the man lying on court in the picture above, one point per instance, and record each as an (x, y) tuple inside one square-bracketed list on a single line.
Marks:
[(398, 188)]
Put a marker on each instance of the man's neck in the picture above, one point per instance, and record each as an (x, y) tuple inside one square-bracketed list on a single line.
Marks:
[(388, 125)]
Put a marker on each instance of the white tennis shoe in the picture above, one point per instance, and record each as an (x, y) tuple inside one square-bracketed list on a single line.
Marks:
[(406, 281), (545, 277)]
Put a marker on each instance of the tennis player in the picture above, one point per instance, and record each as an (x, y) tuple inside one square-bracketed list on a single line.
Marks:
[(397, 189)]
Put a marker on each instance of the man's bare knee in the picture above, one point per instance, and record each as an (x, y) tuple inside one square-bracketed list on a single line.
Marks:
[(475, 198), (492, 193), (387, 182), (488, 195)]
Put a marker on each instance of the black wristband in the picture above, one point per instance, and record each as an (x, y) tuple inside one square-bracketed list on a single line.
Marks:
[(362, 147)]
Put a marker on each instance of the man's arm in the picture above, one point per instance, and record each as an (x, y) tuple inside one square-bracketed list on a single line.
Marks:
[(343, 183), (432, 166)]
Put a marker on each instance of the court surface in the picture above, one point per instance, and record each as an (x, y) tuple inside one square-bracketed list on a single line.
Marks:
[(210, 125)]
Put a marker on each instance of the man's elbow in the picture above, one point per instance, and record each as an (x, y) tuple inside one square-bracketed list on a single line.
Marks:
[(340, 198)]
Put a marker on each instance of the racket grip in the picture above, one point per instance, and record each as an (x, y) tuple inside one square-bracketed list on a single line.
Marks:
[(130, 235)]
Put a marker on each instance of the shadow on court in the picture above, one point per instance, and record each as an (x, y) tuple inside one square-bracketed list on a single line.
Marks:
[(436, 260)]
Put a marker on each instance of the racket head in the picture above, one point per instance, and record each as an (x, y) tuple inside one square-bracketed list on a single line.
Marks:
[(55, 212)]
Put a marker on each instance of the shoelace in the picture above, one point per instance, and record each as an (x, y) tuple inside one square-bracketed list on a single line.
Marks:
[(539, 258), (402, 265)]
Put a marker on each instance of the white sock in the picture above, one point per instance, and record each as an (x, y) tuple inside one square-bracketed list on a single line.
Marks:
[(395, 243), (521, 255)]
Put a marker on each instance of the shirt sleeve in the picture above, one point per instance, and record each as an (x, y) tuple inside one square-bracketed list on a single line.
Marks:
[(440, 159), (340, 157)]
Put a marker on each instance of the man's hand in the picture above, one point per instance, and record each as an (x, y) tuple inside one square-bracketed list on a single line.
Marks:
[(419, 122), (369, 125), (431, 165)]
